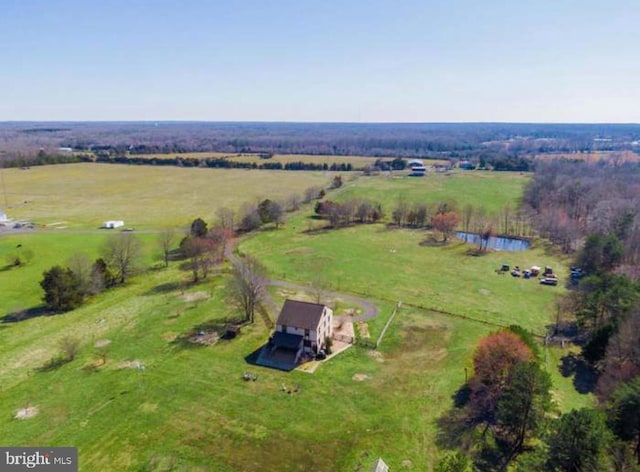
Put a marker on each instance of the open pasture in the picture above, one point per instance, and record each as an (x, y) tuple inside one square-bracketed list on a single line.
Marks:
[(82, 196), (392, 264), (489, 190), (189, 408)]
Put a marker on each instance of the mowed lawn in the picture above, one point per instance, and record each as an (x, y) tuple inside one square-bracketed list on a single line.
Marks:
[(81, 196), (392, 265), (189, 409)]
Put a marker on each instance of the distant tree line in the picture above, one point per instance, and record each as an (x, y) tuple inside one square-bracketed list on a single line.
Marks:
[(42, 158), (219, 163), (498, 142), (569, 200)]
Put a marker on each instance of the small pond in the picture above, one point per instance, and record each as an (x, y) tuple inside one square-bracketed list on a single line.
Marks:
[(497, 243)]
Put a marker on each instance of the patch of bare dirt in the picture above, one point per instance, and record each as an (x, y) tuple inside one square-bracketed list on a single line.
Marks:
[(169, 336), (207, 339), (134, 364), (26, 413), (376, 356), (102, 342), (195, 296), (360, 377), (296, 295), (363, 330)]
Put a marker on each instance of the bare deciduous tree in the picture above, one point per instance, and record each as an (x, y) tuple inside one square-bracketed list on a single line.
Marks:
[(122, 253), (318, 285), (247, 286), (203, 254), (82, 269), (166, 240), (226, 218), (293, 202), (69, 347)]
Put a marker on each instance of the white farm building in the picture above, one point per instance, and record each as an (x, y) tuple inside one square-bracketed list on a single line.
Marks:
[(111, 224), (3, 217)]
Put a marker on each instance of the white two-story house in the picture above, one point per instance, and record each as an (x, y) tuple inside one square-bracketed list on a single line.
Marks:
[(303, 327)]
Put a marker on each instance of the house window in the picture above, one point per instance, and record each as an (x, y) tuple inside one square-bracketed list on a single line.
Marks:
[(306, 333), (284, 328)]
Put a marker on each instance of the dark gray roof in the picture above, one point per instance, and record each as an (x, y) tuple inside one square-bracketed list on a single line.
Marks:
[(286, 340), (301, 315)]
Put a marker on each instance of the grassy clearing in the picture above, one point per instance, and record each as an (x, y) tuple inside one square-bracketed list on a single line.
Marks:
[(189, 408), (490, 190), (392, 265), (81, 196)]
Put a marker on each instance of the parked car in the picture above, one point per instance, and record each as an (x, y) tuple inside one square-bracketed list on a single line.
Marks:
[(549, 281)]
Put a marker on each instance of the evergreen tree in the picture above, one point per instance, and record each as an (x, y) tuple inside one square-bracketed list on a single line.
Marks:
[(62, 289)]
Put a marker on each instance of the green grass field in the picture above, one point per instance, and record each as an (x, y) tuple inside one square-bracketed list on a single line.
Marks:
[(82, 196), (489, 190), (189, 409)]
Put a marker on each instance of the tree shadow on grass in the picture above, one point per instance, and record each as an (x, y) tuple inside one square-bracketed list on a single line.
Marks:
[(166, 288), (8, 267), (455, 427), (432, 241), (208, 333), (53, 364), (584, 376), (27, 314)]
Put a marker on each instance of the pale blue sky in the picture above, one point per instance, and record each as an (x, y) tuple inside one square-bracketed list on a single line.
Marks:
[(320, 60)]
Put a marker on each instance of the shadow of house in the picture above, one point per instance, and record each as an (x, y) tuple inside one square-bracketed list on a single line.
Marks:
[(277, 357)]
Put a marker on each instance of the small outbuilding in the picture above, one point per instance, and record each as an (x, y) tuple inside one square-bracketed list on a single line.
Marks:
[(466, 165), (111, 224), (3, 217), (418, 171)]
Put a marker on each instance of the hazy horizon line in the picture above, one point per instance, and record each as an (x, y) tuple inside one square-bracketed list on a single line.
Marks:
[(171, 121)]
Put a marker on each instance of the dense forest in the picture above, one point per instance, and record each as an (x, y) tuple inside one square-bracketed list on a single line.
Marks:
[(481, 141)]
